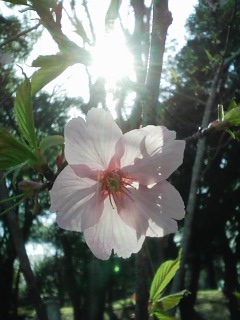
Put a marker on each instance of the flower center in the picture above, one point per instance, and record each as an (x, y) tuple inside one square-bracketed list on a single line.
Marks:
[(114, 184)]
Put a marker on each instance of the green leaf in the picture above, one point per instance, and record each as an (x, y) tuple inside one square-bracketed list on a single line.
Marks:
[(24, 113), (170, 301), (232, 105), (233, 116), (12, 152), (50, 141), (163, 276), (237, 295), (208, 54), (51, 67), (161, 315)]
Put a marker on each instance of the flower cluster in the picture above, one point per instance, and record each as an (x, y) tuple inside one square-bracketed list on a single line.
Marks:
[(114, 187)]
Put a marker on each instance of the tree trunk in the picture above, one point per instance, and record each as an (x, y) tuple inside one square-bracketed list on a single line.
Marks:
[(25, 266), (71, 283), (142, 285), (231, 280), (97, 288)]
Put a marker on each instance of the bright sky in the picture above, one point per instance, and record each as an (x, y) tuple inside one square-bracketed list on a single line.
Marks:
[(74, 80)]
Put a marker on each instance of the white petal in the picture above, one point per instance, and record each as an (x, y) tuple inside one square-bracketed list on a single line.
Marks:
[(111, 233), (132, 141), (170, 208), (161, 205), (156, 137), (130, 210), (76, 201), (93, 142), (159, 166), (151, 154)]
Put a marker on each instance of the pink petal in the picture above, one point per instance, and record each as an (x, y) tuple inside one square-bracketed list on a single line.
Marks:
[(156, 136), (93, 142), (129, 209), (159, 166), (132, 141), (159, 205), (151, 154), (76, 201), (170, 207), (111, 233)]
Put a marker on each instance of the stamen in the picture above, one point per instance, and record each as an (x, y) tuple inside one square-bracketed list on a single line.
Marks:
[(114, 184)]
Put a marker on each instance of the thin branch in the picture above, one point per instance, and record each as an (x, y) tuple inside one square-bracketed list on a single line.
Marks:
[(20, 34), (90, 21)]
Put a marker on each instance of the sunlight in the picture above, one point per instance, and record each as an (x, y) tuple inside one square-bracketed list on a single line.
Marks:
[(111, 58)]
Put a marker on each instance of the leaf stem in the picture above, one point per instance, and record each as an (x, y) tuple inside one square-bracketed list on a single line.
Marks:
[(10, 208), (12, 198)]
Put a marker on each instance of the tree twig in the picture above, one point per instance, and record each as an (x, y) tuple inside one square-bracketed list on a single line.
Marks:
[(20, 34)]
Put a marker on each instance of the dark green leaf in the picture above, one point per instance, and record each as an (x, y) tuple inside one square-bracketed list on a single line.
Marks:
[(24, 113), (163, 276), (12, 152), (237, 295), (50, 141)]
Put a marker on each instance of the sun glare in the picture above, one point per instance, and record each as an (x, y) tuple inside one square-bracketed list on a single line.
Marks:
[(111, 58)]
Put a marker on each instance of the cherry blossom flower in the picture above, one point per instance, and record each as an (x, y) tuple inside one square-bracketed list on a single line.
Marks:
[(114, 187)]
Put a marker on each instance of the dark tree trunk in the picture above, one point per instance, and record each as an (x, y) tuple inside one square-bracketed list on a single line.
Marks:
[(231, 280), (98, 276), (73, 291), (7, 301), (142, 285), (187, 304), (12, 221)]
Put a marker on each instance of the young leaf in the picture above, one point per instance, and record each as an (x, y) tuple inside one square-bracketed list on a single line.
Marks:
[(50, 141), (163, 276), (24, 113), (232, 105), (208, 54), (170, 301), (161, 315), (50, 68), (13, 152), (233, 116)]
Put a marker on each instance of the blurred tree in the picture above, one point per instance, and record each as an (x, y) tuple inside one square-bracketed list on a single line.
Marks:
[(205, 76)]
